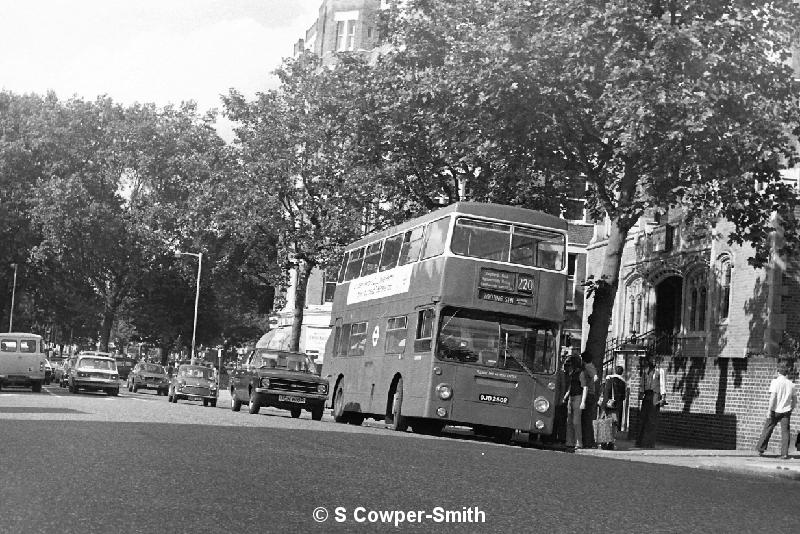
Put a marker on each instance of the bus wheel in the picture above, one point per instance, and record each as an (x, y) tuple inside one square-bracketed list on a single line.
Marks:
[(37, 387), (427, 427), (356, 419), (503, 435), (398, 422), (295, 413), (316, 413), (338, 404)]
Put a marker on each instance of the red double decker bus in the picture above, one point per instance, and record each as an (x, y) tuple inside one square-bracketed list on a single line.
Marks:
[(452, 318)]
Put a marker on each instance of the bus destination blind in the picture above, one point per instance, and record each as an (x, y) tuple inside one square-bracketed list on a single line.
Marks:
[(506, 287)]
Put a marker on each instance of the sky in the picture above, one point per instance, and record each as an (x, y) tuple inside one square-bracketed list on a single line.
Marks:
[(161, 51)]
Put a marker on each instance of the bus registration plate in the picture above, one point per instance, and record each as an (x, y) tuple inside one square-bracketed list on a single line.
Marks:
[(289, 398), (497, 399)]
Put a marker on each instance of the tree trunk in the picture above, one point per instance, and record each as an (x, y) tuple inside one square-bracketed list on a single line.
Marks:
[(604, 293), (105, 331), (303, 270)]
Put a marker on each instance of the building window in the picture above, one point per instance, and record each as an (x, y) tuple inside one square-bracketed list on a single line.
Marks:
[(396, 332), (573, 207), (345, 35), (330, 285), (697, 302), (724, 288), (572, 262)]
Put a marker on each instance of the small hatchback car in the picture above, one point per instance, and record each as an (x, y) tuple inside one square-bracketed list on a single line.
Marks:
[(96, 372), (194, 382), (148, 376)]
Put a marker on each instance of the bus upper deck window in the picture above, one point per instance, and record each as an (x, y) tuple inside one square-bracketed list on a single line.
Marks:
[(354, 264), (551, 253), (435, 236), (372, 259), (8, 345), (391, 252), (343, 267), (412, 244), (481, 239), (27, 345)]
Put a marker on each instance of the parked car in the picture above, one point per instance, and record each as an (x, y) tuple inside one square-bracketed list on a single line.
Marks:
[(194, 382), (96, 371), (148, 376), (124, 366), (280, 379)]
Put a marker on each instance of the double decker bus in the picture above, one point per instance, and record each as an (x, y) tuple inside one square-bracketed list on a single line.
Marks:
[(452, 318)]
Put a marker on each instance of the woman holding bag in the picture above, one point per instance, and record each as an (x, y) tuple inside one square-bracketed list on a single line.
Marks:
[(612, 398)]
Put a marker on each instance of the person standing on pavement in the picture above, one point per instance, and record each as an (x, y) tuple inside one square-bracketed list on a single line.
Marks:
[(575, 397), (612, 398), (779, 410), (652, 392), (589, 413)]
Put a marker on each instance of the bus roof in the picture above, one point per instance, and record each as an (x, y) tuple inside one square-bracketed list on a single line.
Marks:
[(514, 214)]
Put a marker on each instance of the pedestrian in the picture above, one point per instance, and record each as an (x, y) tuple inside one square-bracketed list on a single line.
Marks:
[(779, 410), (652, 392), (612, 398), (575, 397), (589, 414)]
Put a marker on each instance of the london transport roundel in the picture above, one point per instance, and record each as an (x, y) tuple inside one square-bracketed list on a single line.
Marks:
[(375, 335)]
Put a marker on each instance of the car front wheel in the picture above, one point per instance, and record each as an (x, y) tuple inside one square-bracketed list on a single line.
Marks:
[(254, 407)]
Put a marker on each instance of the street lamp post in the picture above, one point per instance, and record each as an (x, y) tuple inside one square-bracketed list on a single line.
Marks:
[(199, 257), (13, 294)]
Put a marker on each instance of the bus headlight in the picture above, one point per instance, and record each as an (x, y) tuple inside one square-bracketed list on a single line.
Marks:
[(265, 382), (539, 424), (322, 388), (445, 391), (541, 405)]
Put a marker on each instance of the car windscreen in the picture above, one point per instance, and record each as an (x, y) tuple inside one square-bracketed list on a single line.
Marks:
[(152, 368), (289, 362), (196, 372), (96, 363)]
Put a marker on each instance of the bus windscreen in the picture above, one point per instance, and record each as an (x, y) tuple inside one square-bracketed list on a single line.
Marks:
[(497, 341)]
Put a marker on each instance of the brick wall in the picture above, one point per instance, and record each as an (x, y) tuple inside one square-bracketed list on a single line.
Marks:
[(716, 403)]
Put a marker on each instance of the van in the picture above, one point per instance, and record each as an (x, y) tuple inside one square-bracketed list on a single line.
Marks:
[(22, 360)]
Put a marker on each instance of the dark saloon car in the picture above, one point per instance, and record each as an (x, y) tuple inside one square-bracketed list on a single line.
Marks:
[(194, 382), (148, 376), (284, 380), (124, 366)]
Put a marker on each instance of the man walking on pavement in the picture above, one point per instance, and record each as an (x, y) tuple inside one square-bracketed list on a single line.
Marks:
[(781, 403)]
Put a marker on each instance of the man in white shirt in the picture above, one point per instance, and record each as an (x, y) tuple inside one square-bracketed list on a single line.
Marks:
[(781, 404)]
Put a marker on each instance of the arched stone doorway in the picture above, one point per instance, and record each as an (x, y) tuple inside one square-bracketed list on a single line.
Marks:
[(667, 320)]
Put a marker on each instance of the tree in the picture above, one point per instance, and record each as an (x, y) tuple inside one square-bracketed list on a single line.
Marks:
[(655, 104), (299, 181)]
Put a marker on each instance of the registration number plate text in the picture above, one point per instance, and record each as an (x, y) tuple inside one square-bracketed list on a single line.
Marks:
[(497, 399), (289, 398)]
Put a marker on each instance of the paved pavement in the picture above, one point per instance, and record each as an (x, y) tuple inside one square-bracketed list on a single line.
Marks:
[(734, 461)]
